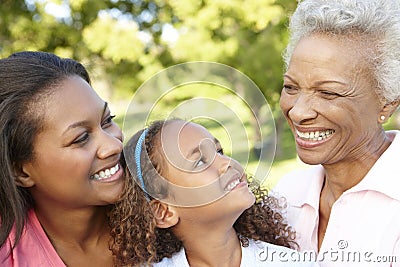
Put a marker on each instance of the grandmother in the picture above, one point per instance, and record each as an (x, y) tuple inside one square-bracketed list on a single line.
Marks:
[(342, 83)]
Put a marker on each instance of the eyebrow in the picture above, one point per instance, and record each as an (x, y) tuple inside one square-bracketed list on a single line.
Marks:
[(83, 123), (288, 76), (316, 83)]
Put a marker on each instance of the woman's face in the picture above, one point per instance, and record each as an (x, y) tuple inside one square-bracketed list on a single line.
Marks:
[(76, 154), (330, 102), (195, 160)]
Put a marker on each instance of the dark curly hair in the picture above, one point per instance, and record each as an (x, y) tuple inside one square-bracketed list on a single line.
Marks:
[(136, 239)]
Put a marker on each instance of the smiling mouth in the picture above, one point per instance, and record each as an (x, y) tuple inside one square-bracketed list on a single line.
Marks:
[(106, 173), (233, 183), (316, 135)]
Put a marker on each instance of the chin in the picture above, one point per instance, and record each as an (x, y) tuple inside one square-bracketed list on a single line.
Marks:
[(250, 200), (113, 196), (241, 202), (310, 162), (309, 159)]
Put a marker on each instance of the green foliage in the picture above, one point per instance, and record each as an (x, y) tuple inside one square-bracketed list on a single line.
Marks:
[(113, 39), (247, 35), (123, 42)]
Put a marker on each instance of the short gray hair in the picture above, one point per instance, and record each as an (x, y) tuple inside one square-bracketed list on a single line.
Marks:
[(379, 19)]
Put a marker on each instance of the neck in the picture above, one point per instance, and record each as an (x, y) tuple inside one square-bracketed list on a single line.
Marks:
[(212, 245), (74, 228), (343, 175)]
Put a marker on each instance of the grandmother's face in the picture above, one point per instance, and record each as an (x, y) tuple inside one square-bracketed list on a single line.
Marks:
[(330, 102)]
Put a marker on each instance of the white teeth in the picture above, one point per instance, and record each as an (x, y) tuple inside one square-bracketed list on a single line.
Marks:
[(315, 136), (105, 173), (232, 185)]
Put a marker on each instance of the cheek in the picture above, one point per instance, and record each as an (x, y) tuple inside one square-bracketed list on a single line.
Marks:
[(73, 164), (286, 103), (115, 131)]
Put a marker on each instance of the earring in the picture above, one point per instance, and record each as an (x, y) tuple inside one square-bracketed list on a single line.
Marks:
[(383, 118)]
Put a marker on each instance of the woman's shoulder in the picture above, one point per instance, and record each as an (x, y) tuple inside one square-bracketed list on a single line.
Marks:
[(297, 184), (302, 174), (33, 248)]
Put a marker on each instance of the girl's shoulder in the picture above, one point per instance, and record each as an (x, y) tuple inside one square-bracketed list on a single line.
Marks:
[(264, 254), (256, 254), (177, 259)]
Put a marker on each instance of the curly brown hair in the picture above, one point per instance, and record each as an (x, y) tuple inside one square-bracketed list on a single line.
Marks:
[(136, 241)]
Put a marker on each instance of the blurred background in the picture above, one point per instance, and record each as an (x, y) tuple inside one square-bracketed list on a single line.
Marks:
[(125, 42)]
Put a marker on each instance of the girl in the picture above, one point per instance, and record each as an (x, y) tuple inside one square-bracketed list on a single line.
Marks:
[(236, 227)]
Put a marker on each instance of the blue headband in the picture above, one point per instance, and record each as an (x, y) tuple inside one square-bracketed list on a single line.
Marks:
[(138, 152)]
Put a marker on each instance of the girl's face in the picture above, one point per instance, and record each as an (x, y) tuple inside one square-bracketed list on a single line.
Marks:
[(76, 155), (203, 175)]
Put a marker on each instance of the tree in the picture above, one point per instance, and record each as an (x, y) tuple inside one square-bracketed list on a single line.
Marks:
[(123, 41), (247, 35)]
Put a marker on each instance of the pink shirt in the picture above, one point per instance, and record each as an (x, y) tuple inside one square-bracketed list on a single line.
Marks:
[(33, 249), (364, 225)]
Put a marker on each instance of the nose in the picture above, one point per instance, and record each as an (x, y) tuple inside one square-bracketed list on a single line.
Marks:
[(302, 109), (223, 162), (110, 143)]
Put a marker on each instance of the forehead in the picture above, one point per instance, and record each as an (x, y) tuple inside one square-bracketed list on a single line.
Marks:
[(72, 100), (183, 135), (326, 54), (182, 131)]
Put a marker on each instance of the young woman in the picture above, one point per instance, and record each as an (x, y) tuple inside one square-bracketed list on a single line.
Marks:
[(59, 156), (172, 160)]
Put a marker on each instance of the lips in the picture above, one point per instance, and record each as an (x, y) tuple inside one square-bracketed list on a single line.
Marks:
[(233, 183), (105, 173)]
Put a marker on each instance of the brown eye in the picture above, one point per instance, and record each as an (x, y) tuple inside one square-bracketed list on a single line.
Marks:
[(81, 139), (108, 120), (329, 94), (289, 89), (200, 162)]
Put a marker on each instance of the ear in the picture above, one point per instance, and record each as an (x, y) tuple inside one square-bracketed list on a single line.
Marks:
[(22, 177), (387, 110), (166, 215)]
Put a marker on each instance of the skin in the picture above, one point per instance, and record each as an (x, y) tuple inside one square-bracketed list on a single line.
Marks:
[(79, 139), (328, 86), (203, 163)]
